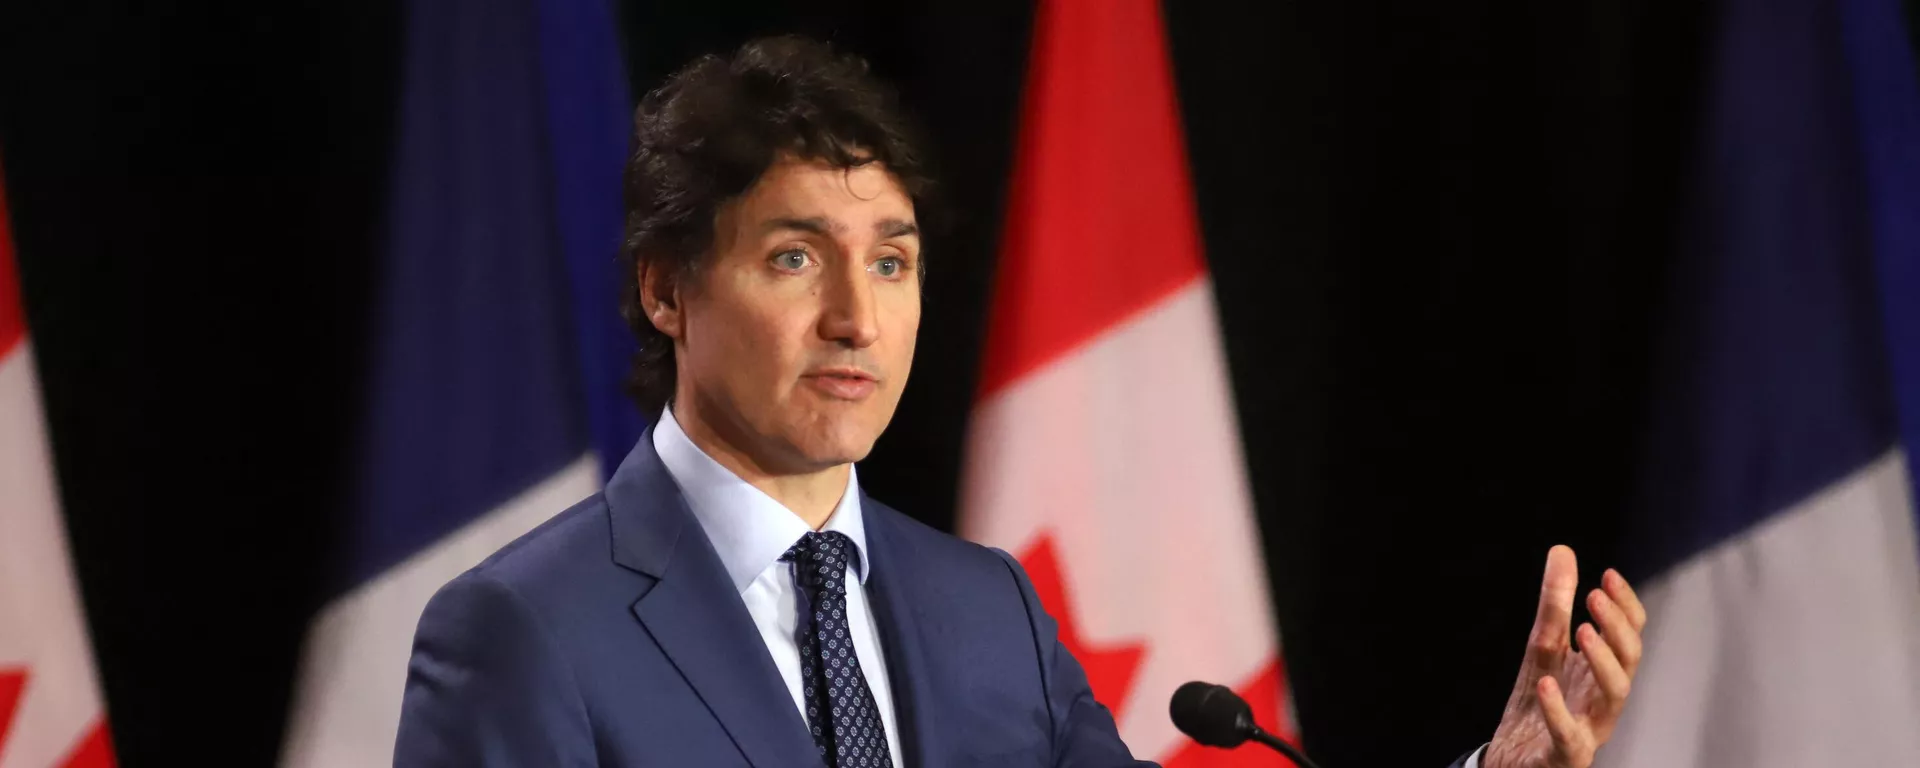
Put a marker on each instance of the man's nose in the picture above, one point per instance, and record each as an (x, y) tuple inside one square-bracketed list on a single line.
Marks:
[(848, 316)]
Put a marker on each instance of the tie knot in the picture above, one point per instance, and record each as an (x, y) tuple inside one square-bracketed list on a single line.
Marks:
[(820, 559)]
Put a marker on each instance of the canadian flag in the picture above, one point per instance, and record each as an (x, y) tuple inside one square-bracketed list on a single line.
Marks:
[(1104, 452), (50, 712)]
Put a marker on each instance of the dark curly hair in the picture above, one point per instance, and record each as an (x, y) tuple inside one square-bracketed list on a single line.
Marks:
[(708, 134)]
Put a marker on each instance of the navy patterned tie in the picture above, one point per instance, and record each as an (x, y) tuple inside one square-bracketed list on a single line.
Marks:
[(840, 710)]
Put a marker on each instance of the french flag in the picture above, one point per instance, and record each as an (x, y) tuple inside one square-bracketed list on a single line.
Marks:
[(1104, 451), (493, 390), (50, 707), (1779, 510)]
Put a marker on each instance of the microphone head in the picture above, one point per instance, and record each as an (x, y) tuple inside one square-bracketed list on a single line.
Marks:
[(1212, 714)]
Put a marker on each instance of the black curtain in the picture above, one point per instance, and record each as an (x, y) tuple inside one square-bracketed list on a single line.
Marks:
[(1437, 233), (194, 191)]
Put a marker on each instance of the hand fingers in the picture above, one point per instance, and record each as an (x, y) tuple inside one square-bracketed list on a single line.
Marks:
[(1547, 646), (1614, 680), (1569, 736), (1622, 635), (1623, 595)]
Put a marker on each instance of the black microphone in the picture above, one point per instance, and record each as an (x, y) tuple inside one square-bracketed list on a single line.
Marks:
[(1216, 716)]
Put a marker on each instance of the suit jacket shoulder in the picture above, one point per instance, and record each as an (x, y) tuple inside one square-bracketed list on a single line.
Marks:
[(557, 559), (954, 558)]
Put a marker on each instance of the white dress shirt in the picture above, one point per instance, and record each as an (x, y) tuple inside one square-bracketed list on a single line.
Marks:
[(751, 531)]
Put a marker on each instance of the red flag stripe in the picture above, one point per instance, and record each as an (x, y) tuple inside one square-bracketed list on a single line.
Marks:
[(13, 320), (1101, 222)]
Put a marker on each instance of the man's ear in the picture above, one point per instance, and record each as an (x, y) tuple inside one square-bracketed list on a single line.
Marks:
[(660, 298)]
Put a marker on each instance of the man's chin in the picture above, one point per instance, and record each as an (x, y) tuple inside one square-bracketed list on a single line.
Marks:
[(828, 457), (834, 448)]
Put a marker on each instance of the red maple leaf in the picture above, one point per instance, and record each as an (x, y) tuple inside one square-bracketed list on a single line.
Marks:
[(13, 681), (1263, 693), (95, 748), (1112, 667)]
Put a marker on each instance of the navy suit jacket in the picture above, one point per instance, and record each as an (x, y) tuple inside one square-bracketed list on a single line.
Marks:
[(611, 635)]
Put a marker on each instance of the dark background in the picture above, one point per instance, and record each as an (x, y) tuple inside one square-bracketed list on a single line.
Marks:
[(1438, 234)]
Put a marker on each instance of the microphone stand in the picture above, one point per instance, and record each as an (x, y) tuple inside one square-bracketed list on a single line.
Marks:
[(1277, 744)]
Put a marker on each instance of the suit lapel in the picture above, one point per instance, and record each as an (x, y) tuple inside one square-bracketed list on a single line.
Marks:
[(903, 627), (696, 616), (705, 630)]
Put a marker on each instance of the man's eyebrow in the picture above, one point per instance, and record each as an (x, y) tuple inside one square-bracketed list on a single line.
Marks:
[(895, 228), (818, 225), (812, 225)]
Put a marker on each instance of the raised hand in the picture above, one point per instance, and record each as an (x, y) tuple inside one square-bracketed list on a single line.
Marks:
[(1566, 702)]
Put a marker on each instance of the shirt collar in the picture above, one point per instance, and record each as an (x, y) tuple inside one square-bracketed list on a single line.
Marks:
[(748, 528)]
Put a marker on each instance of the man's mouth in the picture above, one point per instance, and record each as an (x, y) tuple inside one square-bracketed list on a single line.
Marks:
[(842, 383)]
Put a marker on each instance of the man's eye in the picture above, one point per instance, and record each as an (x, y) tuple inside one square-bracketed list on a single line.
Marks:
[(889, 266), (794, 260)]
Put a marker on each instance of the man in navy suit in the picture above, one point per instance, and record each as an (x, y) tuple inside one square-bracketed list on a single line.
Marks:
[(733, 598)]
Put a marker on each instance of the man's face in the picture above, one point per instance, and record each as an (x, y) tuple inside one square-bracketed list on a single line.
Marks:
[(797, 333)]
